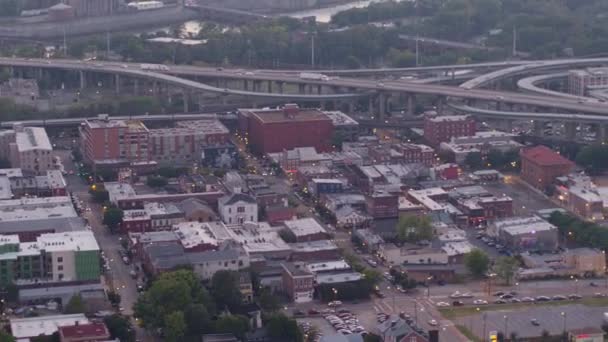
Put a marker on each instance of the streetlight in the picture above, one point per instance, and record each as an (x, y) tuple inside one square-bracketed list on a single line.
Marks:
[(506, 325), (564, 321), (428, 286)]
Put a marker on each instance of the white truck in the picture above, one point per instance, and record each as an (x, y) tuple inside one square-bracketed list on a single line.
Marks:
[(313, 76)]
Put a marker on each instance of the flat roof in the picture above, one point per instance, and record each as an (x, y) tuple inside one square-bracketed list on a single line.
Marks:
[(32, 138), (10, 213), (340, 119), (457, 248), (68, 241), (523, 225), (324, 266), (5, 188), (119, 190), (313, 246), (279, 115), (445, 118), (304, 226), (205, 126), (192, 234), (23, 328), (11, 172), (333, 278)]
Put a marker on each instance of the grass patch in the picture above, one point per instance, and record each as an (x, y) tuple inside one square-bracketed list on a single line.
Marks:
[(455, 312), (467, 333)]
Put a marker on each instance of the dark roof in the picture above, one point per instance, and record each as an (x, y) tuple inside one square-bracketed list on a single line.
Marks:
[(295, 271), (188, 206), (545, 156), (587, 330), (91, 330), (237, 197)]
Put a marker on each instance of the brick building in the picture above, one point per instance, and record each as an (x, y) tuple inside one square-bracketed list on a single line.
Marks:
[(443, 128), (382, 205), (90, 332), (297, 283), (540, 166), (107, 142), (275, 130)]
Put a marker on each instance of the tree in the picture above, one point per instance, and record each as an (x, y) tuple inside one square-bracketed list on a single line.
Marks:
[(238, 325), (287, 235), (112, 217), (99, 193), (114, 298), (268, 302), (156, 181), (477, 262), (282, 328), (505, 268), (6, 337), (225, 290), (172, 291), (414, 228), (198, 320), (175, 326), (75, 305), (120, 328), (474, 161)]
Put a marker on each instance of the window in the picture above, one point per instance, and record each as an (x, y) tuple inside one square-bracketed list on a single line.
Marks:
[(240, 209), (60, 268), (60, 276), (59, 259)]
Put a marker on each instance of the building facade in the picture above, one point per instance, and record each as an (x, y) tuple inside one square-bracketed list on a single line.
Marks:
[(238, 208), (440, 129), (107, 141), (29, 149), (540, 166), (275, 130), (298, 283)]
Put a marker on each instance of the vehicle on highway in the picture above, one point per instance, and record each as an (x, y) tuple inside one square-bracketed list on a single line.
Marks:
[(527, 299), (456, 294), (457, 303), (440, 304), (559, 297), (498, 294), (500, 301), (534, 322), (542, 299), (575, 296), (466, 295), (480, 302), (334, 303)]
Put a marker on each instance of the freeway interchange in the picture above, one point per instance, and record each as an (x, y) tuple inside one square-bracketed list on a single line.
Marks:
[(469, 91)]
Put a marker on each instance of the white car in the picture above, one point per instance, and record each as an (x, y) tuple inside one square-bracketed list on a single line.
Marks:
[(480, 302), (433, 323), (466, 295), (441, 304), (456, 294)]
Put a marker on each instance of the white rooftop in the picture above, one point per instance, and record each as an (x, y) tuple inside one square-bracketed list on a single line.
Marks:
[(523, 225), (332, 278), (340, 119), (32, 138), (83, 240), (23, 328), (30, 203), (192, 234), (13, 172), (457, 248), (445, 118), (8, 214), (135, 215), (304, 226), (333, 265), (586, 194), (5, 188), (119, 190)]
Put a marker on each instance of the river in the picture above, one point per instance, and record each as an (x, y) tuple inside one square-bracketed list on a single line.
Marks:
[(321, 14)]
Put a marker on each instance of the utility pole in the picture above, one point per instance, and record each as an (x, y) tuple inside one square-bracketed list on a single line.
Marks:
[(65, 43), (514, 48), (108, 44), (312, 51), (417, 53)]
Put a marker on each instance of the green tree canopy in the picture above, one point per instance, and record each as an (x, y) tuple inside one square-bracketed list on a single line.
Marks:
[(477, 262), (225, 290), (505, 267), (6, 337), (112, 217), (412, 228), (156, 181), (238, 325), (120, 328), (174, 326), (281, 328), (75, 305)]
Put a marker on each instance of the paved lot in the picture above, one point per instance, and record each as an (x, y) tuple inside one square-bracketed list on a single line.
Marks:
[(575, 316), (525, 201)]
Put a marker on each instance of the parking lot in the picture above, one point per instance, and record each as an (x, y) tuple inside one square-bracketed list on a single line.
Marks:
[(554, 319), (525, 200)]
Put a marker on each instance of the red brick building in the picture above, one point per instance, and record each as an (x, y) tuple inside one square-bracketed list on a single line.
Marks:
[(416, 153), (382, 205), (275, 130), (540, 166), (91, 332), (110, 141), (298, 283), (440, 129)]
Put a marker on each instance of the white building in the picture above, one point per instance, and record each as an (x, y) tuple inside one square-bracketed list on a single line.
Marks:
[(31, 150), (25, 328), (306, 229), (412, 254), (238, 208)]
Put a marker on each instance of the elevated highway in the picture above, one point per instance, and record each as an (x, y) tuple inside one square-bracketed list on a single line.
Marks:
[(354, 87), (144, 118)]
